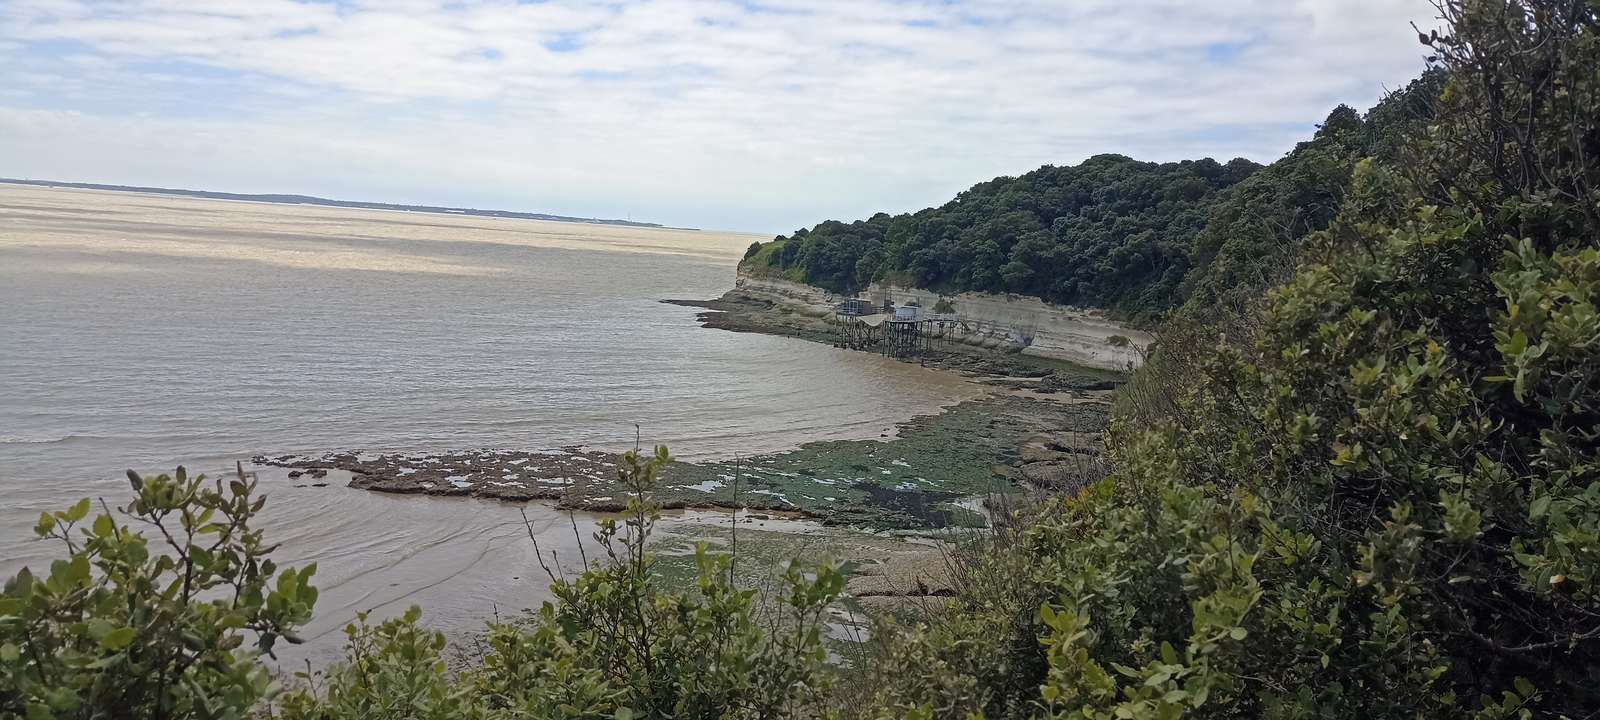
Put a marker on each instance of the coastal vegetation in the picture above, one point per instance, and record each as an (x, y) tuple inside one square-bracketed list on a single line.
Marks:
[(1110, 232), (1371, 490), (1136, 238), (1382, 501)]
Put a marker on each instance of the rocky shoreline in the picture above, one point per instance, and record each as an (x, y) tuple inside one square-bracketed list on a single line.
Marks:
[(922, 478), (881, 506), (575, 478), (1038, 431), (739, 311)]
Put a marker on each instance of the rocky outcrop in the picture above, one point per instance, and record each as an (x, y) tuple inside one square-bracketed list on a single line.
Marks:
[(1060, 462), (498, 474)]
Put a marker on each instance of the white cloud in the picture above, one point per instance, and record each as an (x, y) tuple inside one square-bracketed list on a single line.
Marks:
[(701, 112)]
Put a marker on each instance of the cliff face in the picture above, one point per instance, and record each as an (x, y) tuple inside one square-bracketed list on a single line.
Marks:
[(1026, 324)]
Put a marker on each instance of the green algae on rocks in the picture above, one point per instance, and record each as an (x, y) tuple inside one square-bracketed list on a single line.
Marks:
[(918, 479)]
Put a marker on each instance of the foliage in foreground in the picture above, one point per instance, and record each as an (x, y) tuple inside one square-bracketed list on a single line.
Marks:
[(124, 628), (117, 630), (612, 645), (1386, 501)]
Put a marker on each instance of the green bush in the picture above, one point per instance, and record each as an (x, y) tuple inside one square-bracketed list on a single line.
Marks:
[(1384, 501), (121, 628)]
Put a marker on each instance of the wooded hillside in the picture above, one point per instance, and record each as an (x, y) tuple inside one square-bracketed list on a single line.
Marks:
[(1136, 238)]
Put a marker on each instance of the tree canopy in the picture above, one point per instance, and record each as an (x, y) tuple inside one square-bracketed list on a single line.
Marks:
[(1137, 238)]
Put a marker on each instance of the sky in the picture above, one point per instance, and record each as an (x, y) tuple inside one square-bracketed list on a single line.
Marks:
[(755, 115)]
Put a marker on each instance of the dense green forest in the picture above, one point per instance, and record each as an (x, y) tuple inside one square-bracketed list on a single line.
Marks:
[(1110, 232), (1378, 496), (1133, 237)]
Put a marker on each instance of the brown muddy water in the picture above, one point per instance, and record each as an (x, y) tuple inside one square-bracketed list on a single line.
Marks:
[(145, 331)]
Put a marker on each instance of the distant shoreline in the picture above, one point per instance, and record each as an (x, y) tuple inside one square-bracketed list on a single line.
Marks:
[(282, 199)]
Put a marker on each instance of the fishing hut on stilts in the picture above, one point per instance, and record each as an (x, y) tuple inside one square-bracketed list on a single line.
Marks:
[(856, 325), (898, 332), (903, 335)]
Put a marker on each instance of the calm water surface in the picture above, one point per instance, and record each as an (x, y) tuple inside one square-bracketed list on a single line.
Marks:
[(143, 331)]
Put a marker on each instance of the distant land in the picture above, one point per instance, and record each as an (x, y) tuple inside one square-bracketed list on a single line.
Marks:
[(310, 200)]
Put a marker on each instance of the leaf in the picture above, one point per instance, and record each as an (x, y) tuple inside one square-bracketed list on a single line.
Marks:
[(118, 639), (1125, 671), (1524, 688), (135, 481), (99, 628), (78, 511), (79, 569)]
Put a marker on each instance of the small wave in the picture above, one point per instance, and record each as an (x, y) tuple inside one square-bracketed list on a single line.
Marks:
[(37, 439)]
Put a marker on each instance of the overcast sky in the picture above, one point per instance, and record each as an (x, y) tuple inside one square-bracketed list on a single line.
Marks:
[(760, 115)]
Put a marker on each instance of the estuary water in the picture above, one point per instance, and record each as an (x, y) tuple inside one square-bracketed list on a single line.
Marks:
[(143, 331)]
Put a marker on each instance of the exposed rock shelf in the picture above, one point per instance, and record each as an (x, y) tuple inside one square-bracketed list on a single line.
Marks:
[(920, 478)]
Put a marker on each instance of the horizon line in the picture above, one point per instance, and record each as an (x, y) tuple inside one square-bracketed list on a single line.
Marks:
[(300, 199)]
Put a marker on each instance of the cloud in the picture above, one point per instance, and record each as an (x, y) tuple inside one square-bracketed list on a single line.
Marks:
[(747, 114)]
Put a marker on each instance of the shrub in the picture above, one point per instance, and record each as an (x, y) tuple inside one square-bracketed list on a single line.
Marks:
[(1385, 501), (119, 628)]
